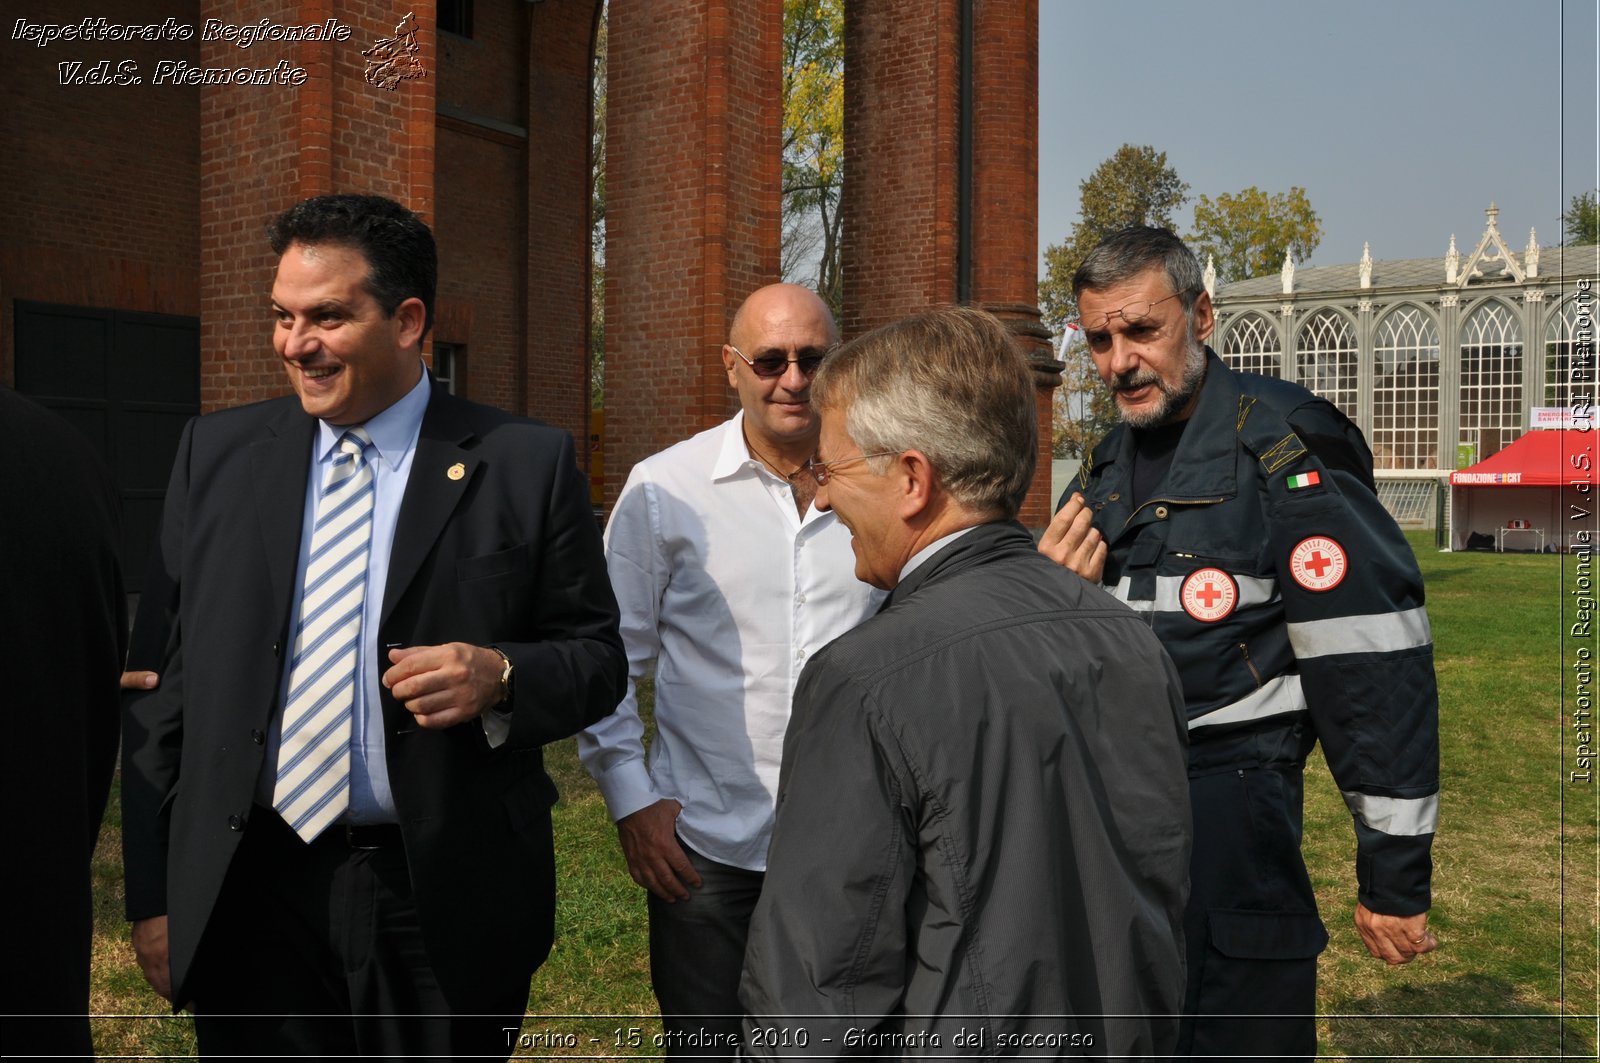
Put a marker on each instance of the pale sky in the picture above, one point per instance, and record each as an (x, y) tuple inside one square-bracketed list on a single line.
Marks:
[(1402, 119)]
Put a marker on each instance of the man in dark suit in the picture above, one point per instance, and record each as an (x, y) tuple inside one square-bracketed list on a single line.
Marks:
[(61, 635), (336, 815)]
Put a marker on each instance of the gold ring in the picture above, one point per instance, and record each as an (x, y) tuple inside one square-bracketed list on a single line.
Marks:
[(1420, 940)]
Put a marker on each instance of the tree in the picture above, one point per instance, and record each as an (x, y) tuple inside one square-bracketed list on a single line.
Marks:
[(813, 144), (1135, 186), (1582, 219), (1082, 410), (1249, 233)]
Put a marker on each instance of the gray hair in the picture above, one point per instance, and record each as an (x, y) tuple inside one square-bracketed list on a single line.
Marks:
[(1129, 252), (947, 382)]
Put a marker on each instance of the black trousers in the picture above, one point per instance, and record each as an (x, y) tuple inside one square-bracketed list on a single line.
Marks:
[(696, 957), (1252, 926), (316, 950)]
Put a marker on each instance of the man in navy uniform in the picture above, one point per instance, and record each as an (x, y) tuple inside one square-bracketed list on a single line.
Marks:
[(1237, 513)]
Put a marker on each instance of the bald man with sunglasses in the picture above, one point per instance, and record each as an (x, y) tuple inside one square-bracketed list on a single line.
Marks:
[(728, 580)]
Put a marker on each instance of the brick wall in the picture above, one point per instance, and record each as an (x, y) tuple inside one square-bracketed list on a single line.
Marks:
[(100, 180), (692, 208), (899, 238), (155, 197), (263, 149), (483, 168), (556, 383)]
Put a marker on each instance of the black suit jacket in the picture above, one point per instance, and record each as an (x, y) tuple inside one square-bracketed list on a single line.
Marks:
[(62, 626), (506, 553)]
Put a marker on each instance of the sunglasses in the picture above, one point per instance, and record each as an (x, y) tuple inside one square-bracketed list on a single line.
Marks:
[(772, 365)]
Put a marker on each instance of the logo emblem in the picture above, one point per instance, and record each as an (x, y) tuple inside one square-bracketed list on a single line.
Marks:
[(1208, 594), (1318, 563), (456, 471)]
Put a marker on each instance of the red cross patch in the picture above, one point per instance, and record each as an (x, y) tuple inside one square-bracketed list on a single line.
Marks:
[(1318, 563), (1208, 594)]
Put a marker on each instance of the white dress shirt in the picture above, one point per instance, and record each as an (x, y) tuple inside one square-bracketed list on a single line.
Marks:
[(729, 592)]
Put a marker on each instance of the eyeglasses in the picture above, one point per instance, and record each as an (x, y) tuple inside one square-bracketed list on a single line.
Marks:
[(770, 365), (822, 471), (1132, 313)]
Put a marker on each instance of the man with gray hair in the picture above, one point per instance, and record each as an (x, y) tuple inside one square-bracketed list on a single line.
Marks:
[(1237, 513), (982, 830)]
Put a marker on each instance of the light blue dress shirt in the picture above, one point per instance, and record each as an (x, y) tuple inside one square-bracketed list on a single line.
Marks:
[(394, 442)]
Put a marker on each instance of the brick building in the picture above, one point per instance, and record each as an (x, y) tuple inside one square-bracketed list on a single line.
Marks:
[(149, 144)]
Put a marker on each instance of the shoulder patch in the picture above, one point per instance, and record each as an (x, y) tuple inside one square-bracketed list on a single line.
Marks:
[(1282, 453), (1318, 563)]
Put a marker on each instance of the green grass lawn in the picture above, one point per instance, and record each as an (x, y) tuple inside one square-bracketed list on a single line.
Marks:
[(1515, 884), (1515, 970)]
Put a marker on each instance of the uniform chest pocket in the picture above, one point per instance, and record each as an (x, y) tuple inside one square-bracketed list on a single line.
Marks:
[(1179, 560), (1241, 551)]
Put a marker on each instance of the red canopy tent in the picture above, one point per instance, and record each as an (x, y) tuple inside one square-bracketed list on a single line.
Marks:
[(1543, 482)]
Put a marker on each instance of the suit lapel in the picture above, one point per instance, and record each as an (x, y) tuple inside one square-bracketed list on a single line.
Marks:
[(441, 471), (280, 463)]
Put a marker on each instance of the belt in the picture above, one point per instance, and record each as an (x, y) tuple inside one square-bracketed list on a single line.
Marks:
[(354, 836), (365, 836)]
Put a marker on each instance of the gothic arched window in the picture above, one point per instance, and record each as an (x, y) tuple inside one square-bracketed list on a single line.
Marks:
[(1491, 378), (1405, 398), (1566, 382), (1251, 346), (1325, 351)]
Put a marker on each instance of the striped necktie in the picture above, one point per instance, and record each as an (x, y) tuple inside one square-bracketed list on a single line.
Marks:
[(313, 781)]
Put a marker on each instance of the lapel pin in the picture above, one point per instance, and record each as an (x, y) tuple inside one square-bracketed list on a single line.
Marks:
[(456, 471)]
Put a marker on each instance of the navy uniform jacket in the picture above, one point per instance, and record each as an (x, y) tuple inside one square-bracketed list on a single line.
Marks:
[(1286, 595)]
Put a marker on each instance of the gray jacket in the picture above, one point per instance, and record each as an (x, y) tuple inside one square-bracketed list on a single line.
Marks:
[(983, 827)]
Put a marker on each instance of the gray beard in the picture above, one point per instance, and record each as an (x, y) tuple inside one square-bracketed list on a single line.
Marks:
[(1173, 397)]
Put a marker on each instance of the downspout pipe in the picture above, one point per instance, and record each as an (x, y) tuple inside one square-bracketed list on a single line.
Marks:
[(964, 162)]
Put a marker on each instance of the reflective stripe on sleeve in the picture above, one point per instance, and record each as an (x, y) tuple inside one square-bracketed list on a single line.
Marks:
[(1375, 633), (1275, 698), (1253, 590), (1406, 816)]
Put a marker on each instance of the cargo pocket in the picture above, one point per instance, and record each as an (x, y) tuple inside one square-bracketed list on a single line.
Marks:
[(1255, 963), (1255, 935)]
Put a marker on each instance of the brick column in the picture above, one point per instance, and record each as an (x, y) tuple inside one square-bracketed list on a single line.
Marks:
[(556, 382), (907, 188), (692, 205), (264, 148)]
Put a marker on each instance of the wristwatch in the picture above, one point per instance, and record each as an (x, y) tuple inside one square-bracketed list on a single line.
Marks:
[(505, 676)]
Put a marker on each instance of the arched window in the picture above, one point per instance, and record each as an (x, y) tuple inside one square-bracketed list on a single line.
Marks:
[(1491, 378), (1326, 355), (1251, 346), (1405, 398), (1564, 382)]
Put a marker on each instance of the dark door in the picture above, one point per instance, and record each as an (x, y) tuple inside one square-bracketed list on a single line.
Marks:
[(129, 381)]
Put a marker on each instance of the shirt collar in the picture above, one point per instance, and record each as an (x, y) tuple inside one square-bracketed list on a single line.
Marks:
[(733, 457), (393, 432), (933, 548)]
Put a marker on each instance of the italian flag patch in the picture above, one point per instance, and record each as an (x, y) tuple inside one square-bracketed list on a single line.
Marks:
[(1302, 480)]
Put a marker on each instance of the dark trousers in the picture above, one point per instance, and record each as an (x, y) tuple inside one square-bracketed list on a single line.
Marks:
[(316, 950), (1252, 928), (696, 956)]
